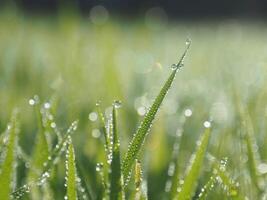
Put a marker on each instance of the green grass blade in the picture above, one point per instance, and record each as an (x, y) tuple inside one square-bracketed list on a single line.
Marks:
[(84, 181), (116, 185), (173, 171), (40, 151), (52, 159), (227, 184), (103, 126), (250, 142), (71, 172), (139, 137), (207, 188), (138, 194), (194, 168), (7, 169)]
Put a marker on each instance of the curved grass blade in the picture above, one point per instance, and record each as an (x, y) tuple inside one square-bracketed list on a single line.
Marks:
[(194, 168), (52, 159), (139, 136), (7, 169), (71, 172), (116, 181)]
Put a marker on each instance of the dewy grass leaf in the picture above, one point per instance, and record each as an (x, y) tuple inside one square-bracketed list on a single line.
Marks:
[(103, 126), (173, 171), (205, 190), (48, 164), (7, 169), (71, 172), (194, 168), (139, 136), (41, 149), (251, 145), (139, 194), (116, 185)]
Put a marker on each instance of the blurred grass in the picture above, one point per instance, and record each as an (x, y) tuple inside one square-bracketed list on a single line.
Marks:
[(77, 62)]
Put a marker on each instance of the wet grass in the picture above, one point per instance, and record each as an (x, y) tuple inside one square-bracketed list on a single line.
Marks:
[(71, 64)]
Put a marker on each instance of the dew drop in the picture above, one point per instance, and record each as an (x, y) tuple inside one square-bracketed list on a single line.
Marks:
[(188, 112), (93, 116), (31, 102), (174, 66), (188, 42), (117, 103), (141, 111), (99, 166), (96, 133), (262, 168), (47, 105), (207, 124)]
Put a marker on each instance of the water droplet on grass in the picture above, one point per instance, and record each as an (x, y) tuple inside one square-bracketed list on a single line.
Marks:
[(117, 103), (31, 102), (174, 66), (207, 124), (188, 112), (93, 116), (47, 105)]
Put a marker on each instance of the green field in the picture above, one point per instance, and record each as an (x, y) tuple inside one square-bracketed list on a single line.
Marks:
[(72, 63)]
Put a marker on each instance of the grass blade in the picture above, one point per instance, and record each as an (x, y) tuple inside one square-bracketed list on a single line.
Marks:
[(6, 173), (207, 188), (194, 168), (116, 185), (40, 151), (139, 137), (71, 172), (48, 165), (139, 194)]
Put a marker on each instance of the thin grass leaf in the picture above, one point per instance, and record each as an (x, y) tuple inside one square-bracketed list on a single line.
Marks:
[(138, 193), (40, 151), (84, 181), (173, 170), (193, 171), (8, 166), (227, 184), (139, 137), (103, 126), (52, 159), (207, 188), (116, 180), (71, 172), (250, 141)]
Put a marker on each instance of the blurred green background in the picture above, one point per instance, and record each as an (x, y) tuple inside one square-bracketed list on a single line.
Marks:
[(73, 61)]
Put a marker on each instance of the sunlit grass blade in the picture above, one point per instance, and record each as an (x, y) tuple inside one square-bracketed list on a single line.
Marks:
[(71, 172), (116, 185), (139, 137), (8, 165), (193, 170), (52, 159)]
